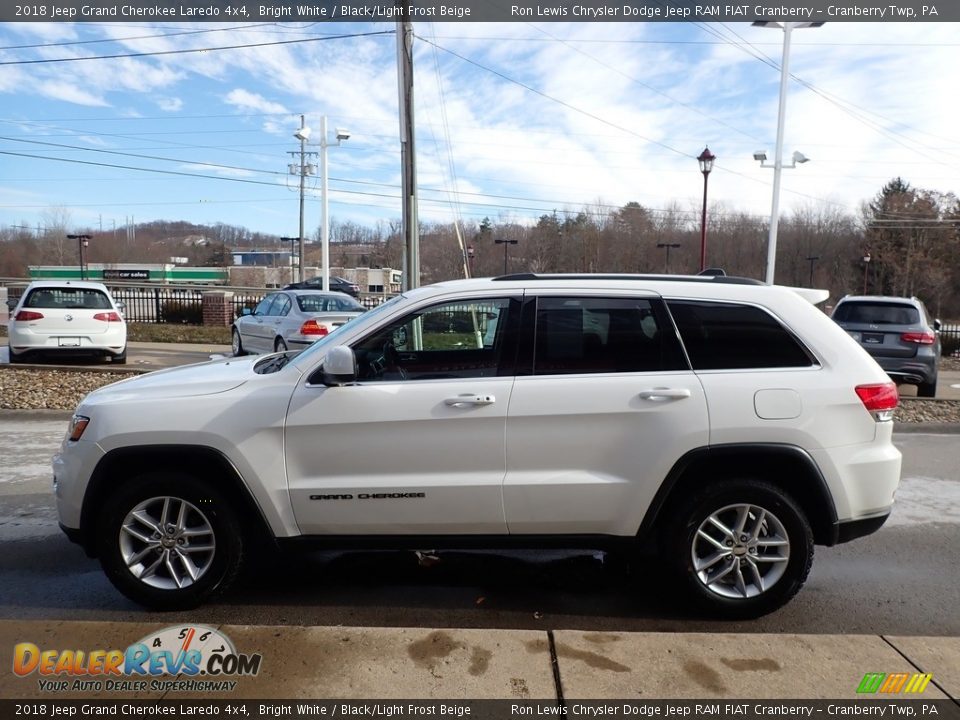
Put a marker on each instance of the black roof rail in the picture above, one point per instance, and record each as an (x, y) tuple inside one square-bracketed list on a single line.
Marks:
[(716, 279)]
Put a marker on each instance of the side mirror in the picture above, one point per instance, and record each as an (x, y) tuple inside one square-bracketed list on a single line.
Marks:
[(12, 303), (340, 366), (937, 325)]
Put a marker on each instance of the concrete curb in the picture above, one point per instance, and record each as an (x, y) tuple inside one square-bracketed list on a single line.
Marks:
[(415, 663)]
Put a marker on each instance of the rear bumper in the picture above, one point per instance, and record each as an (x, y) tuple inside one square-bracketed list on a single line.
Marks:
[(853, 529), (909, 370)]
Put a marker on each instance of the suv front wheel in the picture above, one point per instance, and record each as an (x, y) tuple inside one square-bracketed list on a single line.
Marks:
[(169, 541), (741, 548)]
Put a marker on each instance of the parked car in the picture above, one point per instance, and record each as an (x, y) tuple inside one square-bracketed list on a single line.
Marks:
[(727, 424), (291, 319), (900, 335), (337, 284), (67, 318)]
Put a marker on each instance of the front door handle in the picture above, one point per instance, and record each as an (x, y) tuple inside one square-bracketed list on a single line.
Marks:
[(470, 399), (659, 394)]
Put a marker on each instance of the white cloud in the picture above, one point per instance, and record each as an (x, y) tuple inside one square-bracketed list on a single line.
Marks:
[(170, 104), (246, 100), (69, 92)]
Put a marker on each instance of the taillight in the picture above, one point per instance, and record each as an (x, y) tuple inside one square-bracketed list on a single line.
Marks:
[(25, 315), (312, 327), (921, 338), (880, 399), (108, 317)]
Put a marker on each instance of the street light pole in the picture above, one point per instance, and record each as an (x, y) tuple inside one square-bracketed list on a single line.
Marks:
[(866, 265), (505, 243), (293, 255), (787, 27), (666, 262), (705, 159), (302, 136), (812, 259), (82, 242)]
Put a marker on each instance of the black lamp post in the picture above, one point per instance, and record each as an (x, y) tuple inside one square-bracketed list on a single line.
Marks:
[(82, 242), (505, 243), (666, 262), (812, 259), (705, 159), (470, 259), (293, 254), (866, 265)]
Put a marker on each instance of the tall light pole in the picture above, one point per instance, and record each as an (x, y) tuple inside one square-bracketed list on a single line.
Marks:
[(82, 242), (705, 159), (666, 262), (506, 244), (302, 134), (787, 27), (866, 266), (324, 195)]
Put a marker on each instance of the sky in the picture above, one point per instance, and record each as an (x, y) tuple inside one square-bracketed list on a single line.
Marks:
[(513, 120)]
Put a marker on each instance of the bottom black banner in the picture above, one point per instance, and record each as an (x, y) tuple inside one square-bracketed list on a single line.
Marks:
[(494, 709)]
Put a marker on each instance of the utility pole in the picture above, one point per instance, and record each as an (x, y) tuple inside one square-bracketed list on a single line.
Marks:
[(411, 256)]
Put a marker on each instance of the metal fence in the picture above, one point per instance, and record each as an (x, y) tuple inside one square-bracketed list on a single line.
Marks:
[(184, 305)]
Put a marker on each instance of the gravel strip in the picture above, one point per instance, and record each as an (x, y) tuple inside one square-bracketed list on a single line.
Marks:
[(32, 389), (51, 389)]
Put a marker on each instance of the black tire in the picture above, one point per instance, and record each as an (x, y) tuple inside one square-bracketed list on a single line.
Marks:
[(927, 390), (237, 344), (280, 345), (120, 359), (206, 508), (15, 359), (714, 588)]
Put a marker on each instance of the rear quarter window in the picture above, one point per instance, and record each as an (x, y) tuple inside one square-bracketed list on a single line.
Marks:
[(728, 336)]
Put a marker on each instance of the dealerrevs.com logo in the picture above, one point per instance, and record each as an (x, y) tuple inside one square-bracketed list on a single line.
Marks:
[(204, 658)]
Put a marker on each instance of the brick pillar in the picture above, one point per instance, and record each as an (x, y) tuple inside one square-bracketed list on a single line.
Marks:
[(218, 308)]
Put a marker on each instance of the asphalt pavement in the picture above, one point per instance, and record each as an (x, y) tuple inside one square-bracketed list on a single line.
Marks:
[(472, 626)]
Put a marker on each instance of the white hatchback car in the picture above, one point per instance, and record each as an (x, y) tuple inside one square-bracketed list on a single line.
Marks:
[(727, 424), (67, 318)]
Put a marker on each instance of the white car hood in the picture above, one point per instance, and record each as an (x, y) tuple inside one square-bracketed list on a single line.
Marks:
[(207, 378)]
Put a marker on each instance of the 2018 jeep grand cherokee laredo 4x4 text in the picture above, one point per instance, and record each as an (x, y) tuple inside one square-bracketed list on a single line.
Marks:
[(732, 423)]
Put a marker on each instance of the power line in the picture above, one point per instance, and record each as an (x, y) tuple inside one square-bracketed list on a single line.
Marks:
[(184, 51)]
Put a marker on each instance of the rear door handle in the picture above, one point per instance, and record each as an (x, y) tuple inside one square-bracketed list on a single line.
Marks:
[(470, 399), (659, 394)]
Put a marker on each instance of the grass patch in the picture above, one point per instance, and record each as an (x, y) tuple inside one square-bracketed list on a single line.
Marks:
[(171, 333), (160, 332)]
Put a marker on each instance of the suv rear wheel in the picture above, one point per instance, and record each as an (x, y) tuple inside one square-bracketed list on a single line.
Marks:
[(741, 548), (169, 541)]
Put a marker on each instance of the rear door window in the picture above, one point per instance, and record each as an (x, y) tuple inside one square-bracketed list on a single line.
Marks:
[(603, 335), (727, 336)]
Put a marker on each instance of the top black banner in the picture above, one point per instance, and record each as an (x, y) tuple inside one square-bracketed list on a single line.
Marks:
[(816, 12)]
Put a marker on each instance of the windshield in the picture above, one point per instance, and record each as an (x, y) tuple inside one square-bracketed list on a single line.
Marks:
[(368, 317)]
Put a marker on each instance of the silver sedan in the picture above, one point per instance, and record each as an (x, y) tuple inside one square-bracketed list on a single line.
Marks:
[(291, 320)]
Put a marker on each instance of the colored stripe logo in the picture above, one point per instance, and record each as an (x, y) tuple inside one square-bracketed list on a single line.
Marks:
[(892, 683)]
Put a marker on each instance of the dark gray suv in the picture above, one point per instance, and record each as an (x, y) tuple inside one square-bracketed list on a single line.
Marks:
[(899, 334)]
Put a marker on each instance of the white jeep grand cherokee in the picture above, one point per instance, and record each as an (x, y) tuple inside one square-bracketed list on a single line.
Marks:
[(727, 424)]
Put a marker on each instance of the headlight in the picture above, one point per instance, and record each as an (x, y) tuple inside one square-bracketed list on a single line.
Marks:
[(78, 423)]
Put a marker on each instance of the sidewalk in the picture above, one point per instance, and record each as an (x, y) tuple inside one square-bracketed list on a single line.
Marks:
[(414, 663)]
